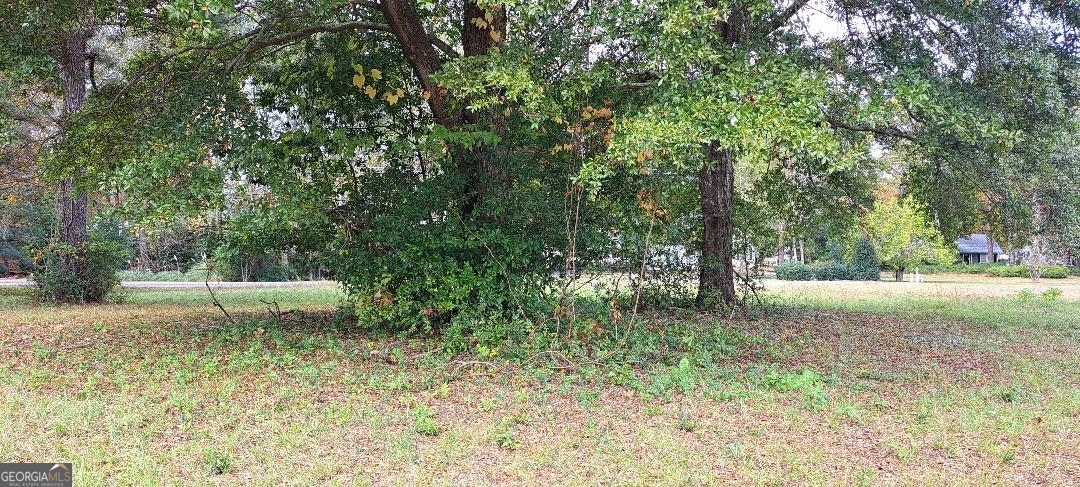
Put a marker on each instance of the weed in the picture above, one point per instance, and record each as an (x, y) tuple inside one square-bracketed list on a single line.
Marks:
[(216, 461), (1052, 294), (1008, 394), (504, 438), (736, 450), (1025, 295), (683, 377), (624, 375), (504, 433), (588, 399), (687, 425), (807, 381), (850, 412), (424, 421), (865, 477), (41, 351)]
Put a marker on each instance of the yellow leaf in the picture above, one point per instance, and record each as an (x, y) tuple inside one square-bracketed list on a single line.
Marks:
[(12, 200), (425, 95), (358, 68), (489, 17), (495, 35), (376, 74), (370, 91), (479, 23), (400, 92), (391, 98), (358, 80)]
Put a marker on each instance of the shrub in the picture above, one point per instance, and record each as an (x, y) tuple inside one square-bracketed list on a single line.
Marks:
[(1049, 272), (977, 268), (865, 265), (1052, 294), (256, 266), (831, 271), (102, 258), (1055, 272), (793, 271), (1008, 271)]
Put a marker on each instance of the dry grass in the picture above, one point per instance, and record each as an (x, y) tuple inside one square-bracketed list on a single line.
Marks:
[(972, 391), (947, 286)]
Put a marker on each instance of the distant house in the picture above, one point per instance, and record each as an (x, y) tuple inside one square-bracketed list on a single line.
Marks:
[(973, 249)]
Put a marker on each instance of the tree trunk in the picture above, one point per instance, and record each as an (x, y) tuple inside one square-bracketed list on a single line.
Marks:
[(482, 29), (72, 202), (716, 184), (421, 56), (780, 253), (898, 274), (143, 260), (1035, 263), (990, 257)]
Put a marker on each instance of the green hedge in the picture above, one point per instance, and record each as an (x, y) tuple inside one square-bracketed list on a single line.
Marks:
[(1008, 271), (1055, 272), (794, 271), (831, 270), (865, 265), (999, 270)]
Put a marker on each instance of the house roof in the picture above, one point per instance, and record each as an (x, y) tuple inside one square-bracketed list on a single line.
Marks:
[(975, 244)]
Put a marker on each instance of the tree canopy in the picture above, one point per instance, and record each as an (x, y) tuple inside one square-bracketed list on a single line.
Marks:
[(461, 162)]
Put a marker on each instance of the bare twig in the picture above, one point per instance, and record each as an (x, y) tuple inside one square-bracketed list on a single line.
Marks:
[(466, 363), (383, 357), (214, 298), (275, 312), (641, 273)]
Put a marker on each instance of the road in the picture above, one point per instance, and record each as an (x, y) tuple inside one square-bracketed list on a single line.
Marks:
[(191, 284)]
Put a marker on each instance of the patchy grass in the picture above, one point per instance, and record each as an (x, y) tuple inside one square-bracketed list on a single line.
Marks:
[(851, 385)]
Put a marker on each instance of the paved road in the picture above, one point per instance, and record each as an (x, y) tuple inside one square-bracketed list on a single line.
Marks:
[(191, 284)]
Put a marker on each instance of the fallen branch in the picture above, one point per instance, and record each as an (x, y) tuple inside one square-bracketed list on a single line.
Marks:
[(466, 363), (275, 312), (214, 298)]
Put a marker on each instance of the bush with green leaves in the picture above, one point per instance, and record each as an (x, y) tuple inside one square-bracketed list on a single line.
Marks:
[(864, 261), (1008, 271), (1055, 272), (831, 270), (248, 266), (104, 255), (794, 271), (1052, 294)]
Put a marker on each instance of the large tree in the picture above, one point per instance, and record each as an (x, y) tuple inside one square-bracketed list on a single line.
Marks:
[(421, 134), (47, 70)]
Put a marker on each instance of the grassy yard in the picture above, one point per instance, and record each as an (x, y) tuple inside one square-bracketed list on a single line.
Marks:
[(843, 384)]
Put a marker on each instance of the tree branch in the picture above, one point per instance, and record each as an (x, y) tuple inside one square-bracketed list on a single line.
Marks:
[(367, 4), (883, 131), (25, 115), (443, 46), (786, 15), (312, 30)]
